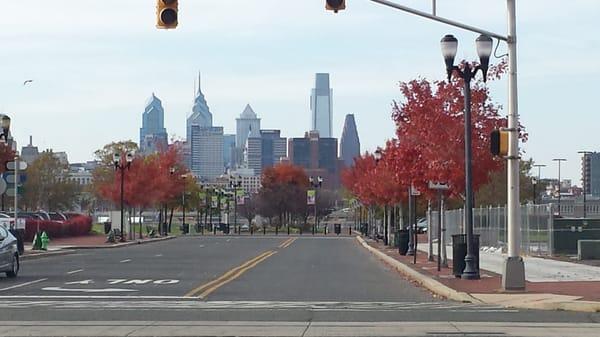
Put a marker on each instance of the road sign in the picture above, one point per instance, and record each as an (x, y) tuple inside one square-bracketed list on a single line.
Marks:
[(438, 186), (10, 178), (11, 165), (414, 191), (11, 192)]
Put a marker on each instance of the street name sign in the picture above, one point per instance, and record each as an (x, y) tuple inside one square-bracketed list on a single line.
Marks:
[(12, 165)]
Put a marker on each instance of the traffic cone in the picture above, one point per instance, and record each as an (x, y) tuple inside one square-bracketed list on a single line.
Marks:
[(45, 241)]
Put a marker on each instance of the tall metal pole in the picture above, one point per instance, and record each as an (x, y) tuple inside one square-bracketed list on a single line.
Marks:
[(513, 275), (559, 160), (183, 202), (471, 271), (235, 210), (122, 202), (411, 210), (16, 190)]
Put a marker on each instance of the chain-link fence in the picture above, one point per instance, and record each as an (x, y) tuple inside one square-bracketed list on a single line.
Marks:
[(491, 225)]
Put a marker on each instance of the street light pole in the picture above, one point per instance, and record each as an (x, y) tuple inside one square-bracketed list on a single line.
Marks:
[(585, 154), (484, 49), (121, 167), (316, 184), (539, 178), (559, 160)]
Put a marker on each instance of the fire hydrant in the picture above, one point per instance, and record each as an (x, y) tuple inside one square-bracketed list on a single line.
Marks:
[(45, 240)]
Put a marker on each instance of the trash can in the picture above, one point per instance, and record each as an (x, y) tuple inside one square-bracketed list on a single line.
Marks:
[(107, 227), (185, 228), (338, 228), (402, 238), (459, 252)]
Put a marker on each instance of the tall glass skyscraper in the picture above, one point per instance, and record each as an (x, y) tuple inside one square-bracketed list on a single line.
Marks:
[(321, 105), (153, 135), (350, 143)]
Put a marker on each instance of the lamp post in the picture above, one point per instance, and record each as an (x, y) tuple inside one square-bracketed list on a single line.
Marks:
[(6, 140), (316, 184), (121, 167), (585, 154), (559, 160), (378, 156), (484, 49), (234, 184)]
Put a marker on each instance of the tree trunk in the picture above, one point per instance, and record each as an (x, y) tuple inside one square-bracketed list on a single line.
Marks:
[(171, 219)]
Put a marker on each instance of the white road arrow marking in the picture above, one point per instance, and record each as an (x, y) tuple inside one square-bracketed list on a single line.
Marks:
[(107, 290)]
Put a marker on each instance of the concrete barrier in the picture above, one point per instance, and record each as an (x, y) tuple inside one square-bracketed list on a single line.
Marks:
[(588, 249)]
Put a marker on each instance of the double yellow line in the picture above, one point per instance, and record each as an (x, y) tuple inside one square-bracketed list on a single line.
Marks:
[(207, 288), (287, 243)]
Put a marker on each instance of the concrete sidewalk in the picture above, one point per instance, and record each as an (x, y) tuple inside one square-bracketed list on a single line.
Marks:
[(561, 293), (536, 269)]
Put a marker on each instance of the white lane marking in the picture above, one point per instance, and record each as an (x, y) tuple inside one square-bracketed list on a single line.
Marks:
[(75, 271), (201, 246), (24, 284), (107, 290), (125, 261), (158, 255)]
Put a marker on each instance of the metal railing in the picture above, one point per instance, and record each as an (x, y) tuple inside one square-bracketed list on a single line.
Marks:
[(491, 224)]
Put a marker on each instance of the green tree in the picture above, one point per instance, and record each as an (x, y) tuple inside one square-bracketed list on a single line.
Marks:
[(48, 185)]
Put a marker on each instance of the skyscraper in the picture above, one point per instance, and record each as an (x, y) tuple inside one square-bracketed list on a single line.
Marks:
[(200, 115), (153, 135), (321, 105), (318, 156), (350, 143), (229, 151), (247, 125)]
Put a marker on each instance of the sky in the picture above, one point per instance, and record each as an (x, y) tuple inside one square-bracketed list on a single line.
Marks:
[(95, 63)]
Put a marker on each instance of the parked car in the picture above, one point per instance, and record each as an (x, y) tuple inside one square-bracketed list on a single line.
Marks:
[(9, 255), (422, 226)]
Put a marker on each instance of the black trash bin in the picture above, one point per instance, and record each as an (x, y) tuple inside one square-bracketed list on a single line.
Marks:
[(107, 227), (459, 252), (337, 228), (185, 228), (402, 238)]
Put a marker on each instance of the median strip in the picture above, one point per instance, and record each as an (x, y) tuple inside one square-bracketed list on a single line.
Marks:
[(285, 242), (207, 288)]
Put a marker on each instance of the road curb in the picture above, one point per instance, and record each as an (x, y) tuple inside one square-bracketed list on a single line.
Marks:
[(425, 281), (124, 244), (35, 256)]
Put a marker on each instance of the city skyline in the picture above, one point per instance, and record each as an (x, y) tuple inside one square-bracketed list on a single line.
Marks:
[(86, 75)]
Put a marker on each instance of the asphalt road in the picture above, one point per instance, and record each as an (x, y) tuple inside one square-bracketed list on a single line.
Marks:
[(300, 279)]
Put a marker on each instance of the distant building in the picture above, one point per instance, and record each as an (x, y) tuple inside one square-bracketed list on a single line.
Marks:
[(321, 106), (247, 125), (318, 156), (206, 152), (201, 115), (62, 157), (81, 173), (349, 143), (251, 182), (591, 173), (229, 151), (30, 153), (153, 135), (273, 147)]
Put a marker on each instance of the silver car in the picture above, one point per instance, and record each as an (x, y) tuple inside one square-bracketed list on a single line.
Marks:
[(9, 256)]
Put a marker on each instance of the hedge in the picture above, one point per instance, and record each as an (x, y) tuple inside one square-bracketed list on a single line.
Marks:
[(76, 225)]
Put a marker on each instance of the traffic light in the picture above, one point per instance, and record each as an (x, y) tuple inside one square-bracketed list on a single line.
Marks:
[(166, 14), (499, 143), (335, 5)]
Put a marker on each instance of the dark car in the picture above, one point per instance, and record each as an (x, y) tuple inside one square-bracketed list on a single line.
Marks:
[(9, 255)]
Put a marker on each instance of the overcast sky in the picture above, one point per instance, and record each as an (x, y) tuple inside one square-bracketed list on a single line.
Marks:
[(95, 63)]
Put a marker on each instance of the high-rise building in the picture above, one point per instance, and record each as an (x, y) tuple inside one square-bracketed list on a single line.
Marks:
[(273, 147), (229, 151), (350, 143), (321, 105), (201, 114), (318, 156), (30, 153), (153, 135), (247, 125), (591, 173), (206, 145), (254, 154)]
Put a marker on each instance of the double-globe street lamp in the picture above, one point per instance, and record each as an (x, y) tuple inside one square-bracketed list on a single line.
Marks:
[(122, 167), (484, 49), (315, 183), (183, 177), (234, 184), (378, 155)]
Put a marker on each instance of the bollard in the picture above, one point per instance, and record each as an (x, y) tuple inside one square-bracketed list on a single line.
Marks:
[(288, 229)]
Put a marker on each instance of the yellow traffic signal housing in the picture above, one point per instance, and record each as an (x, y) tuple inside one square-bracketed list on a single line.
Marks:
[(167, 14), (499, 143), (335, 5)]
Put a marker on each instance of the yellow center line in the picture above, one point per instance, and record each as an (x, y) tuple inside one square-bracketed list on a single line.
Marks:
[(287, 244), (284, 242), (225, 276), (236, 275)]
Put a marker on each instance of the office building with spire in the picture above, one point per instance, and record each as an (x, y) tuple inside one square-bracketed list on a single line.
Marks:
[(205, 142), (153, 135), (349, 143), (321, 106)]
